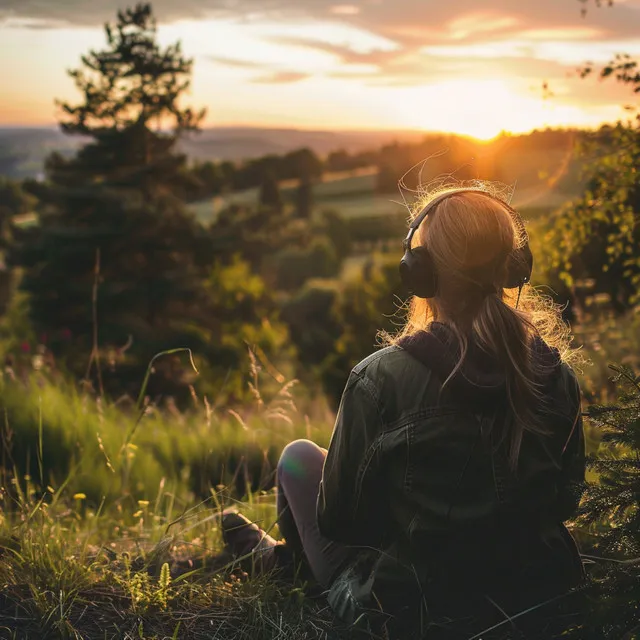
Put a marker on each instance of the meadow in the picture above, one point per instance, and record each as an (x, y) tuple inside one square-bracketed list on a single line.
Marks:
[(109, 507), (352, 193), (109, 514)]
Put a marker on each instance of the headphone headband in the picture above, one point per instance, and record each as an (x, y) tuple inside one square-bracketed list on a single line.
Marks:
[(418, 271), (417, 221)]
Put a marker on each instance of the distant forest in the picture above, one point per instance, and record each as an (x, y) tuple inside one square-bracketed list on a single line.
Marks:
[(23, 150)]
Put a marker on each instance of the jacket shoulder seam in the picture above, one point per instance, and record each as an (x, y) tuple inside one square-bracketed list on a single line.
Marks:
[(363, 364)]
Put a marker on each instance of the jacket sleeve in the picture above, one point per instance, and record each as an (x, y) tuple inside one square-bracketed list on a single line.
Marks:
[(348, 507), (572, 474)]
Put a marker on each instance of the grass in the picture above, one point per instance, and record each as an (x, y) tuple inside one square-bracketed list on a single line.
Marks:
[(103, 449), (109, 521), (68, 570), (122, 543)]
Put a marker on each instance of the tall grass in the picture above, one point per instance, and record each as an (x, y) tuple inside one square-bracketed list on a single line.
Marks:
[(109, 515), (56, 433)]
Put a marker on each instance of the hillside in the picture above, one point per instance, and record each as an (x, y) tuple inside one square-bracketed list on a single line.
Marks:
[(23, 150), (543, 180)]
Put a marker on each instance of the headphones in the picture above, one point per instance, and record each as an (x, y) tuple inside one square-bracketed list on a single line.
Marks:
[(418, 272)]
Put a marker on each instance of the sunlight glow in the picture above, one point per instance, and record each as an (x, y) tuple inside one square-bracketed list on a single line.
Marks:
[(569, 53), (484, 108), (572, 33)]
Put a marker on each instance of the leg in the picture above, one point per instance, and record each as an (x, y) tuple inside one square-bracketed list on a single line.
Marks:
[(299, 475)]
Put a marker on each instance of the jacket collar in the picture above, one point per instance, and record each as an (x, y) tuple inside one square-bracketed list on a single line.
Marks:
[(482, 377)]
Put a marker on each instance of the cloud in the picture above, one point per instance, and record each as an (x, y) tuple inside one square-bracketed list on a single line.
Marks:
[(33, 24), (344, 53), (275, 76), (406, 21), (409, 22), (426, 41), (238, 64), (96, 12), (282, 77), (425, 69), (478, 23), (416, 66), (344, 10)]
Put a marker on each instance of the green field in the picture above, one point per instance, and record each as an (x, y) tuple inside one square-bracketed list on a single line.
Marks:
[(546, 183), (351, 194)]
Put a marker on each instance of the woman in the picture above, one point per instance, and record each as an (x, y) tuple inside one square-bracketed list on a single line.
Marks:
[(458, 448)]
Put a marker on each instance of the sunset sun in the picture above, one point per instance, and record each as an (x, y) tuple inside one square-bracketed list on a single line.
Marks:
[(482, 109)]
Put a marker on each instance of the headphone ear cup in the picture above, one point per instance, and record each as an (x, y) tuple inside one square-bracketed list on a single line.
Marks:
[(418, 273), (519, 267)]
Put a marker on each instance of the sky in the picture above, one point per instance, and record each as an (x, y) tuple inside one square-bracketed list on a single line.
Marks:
[(467, 66)]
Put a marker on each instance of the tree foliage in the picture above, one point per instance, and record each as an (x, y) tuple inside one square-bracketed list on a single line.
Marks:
[(597, 3), (132, 83), (14, 201), (304, 199), (270, 196), (597, 236)]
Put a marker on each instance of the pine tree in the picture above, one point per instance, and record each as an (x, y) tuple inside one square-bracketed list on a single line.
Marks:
[(118, 199), (611, 512)]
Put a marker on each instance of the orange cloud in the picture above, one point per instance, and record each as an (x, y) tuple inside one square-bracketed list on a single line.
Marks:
[(472, 24), (282, 77), (344, 10)]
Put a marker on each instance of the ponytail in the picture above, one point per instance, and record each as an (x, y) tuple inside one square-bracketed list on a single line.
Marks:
[(508, 334)]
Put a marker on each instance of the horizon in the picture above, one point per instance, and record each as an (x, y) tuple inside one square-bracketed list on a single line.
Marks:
[(54, 126), (380, 136), (357, 67)]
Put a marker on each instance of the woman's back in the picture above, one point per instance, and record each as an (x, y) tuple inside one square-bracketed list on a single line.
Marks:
[(460, 475), (434, 490)]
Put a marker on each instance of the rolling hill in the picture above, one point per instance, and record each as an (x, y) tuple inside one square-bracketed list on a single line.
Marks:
[(24, 150)]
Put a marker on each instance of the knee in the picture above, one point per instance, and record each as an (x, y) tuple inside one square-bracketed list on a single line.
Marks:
[(298, 456)]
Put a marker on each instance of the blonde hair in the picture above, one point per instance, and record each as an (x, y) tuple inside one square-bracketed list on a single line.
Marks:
[(469, 237)]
